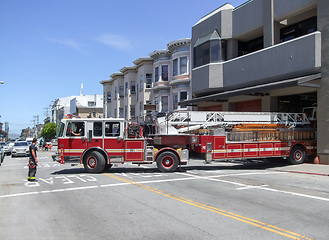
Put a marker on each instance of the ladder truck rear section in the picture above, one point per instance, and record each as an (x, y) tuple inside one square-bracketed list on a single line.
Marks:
[(239, 135)]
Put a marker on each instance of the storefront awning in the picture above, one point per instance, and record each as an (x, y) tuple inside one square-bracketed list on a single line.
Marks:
[(300, 81)]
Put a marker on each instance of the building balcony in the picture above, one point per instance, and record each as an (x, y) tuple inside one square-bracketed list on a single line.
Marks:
[(294, 58)]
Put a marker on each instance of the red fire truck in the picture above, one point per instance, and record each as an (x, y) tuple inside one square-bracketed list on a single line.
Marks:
[(99, 143)]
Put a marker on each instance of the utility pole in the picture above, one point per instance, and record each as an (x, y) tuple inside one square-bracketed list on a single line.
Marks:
[(34, 127), (46, 112)]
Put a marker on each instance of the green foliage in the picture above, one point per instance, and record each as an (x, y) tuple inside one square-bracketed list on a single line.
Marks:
[(48, 131)]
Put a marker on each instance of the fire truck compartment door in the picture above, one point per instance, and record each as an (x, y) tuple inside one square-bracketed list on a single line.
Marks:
[(134, 150)]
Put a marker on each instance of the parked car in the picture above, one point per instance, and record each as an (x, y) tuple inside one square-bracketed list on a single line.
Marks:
[(10, 147), (20, 148), (54, 142), (6, 149)]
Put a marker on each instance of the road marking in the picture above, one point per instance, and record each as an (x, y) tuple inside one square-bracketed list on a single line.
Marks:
[(244, 186), (251, 187), (240, 218)]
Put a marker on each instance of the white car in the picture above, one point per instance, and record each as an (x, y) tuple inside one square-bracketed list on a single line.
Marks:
[(20, 148), (6, 149)]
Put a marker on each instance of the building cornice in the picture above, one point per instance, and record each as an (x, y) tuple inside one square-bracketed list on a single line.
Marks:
[(158, 53), (142, 60), (114, 75), (106, 81), (128, 68), (174, 44)]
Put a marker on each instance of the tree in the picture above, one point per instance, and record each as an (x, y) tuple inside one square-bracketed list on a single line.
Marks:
[(48, 131)]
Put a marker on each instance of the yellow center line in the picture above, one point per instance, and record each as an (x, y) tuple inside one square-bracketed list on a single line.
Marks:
[(240, 218)]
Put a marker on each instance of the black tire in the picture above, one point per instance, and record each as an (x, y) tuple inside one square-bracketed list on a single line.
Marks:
[(297, 155), (94, 162), (167, 161), (108, 166)]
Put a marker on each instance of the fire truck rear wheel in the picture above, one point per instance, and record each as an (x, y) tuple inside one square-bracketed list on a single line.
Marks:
[(297, 155), (94, 162), (167, 161)]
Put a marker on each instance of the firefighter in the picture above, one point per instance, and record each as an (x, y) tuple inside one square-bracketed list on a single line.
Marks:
[(33, 162)]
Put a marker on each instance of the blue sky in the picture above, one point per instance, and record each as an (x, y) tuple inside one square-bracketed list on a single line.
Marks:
[(49, 47)]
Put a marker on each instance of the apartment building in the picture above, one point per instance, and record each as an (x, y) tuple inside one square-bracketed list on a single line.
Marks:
[(154, 84), (265, 55), (127, 92), (172, 76)]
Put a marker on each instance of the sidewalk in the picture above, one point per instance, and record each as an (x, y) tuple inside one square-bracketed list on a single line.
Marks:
[(306, 168)]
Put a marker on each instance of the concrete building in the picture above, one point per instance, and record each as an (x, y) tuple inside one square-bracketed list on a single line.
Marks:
[(83, 106), (265, 55)]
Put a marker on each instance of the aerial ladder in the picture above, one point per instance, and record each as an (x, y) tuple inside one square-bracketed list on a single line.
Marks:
[(186, 121)]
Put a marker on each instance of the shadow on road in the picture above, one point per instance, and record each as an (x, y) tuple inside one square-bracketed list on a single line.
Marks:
[(215, 165)]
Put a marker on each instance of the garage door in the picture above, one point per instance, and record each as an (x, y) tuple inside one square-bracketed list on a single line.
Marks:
[(249, 106), (214, 108)]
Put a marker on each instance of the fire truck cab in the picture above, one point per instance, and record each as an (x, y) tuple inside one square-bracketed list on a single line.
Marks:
[(100, 143)]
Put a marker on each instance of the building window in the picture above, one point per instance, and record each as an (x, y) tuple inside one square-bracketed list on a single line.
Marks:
[(132, 111), (109, 96), (115, 112), (250, 46), (299, 29), (175, 67), (164, 104), (209, 49), (91, 104), (121, 91), (141, 82), (164, 73), (156, 74), (132, 87), (126, 88), (121, 113), (148, 80), (141, 109), (175, 101), (148, 103), (126, 112), (183, 65), (115, 93), (183, 97)]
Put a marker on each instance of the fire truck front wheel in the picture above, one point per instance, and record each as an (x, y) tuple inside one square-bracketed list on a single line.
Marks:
[(167, 161), (297, 155), (94, 162)]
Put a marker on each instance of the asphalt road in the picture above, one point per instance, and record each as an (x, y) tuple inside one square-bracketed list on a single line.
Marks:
[(212, 201)]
